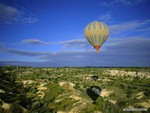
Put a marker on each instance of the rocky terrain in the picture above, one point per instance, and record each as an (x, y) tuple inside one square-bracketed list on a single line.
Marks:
[(63, 90), (122, 73)]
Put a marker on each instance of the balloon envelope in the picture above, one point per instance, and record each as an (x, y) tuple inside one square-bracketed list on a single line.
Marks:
[(96, 34)]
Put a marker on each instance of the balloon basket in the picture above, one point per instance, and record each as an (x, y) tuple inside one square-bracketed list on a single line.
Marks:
[(97, 51)]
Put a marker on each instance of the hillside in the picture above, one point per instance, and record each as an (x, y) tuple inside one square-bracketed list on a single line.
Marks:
[(64, 90)]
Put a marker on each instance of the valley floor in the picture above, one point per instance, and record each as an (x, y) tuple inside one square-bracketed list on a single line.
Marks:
[(64, 90)]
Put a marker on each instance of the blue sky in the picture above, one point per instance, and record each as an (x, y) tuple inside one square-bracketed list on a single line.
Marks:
[(51, 32)]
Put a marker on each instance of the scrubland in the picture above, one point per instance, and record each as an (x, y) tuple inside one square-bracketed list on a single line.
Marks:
[(63, 90)]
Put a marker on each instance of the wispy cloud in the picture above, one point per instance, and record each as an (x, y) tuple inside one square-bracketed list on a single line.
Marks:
[(106, 17), (34, 42), (130, 45), (21, 52), (11, 15), (133, 26), (16, 63), (76, 43), (23, 19), (117, 3), (131, 51)]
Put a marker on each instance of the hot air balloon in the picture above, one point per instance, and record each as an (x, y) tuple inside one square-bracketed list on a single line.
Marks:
[(96, 34)]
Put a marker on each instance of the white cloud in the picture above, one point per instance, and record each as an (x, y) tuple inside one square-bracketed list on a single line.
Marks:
[(34, 42), (11, 15), (76, 43), (131, 51)]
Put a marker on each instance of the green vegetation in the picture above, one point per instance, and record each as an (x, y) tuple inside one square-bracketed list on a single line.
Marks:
[(50, 90)]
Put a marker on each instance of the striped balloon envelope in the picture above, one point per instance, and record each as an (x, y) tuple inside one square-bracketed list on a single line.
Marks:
[(96, 34)]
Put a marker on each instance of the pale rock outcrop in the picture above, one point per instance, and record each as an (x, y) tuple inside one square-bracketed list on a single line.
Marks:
[(105, 93), (67, 84), (145, 104), (122, 73), (139, 95)]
